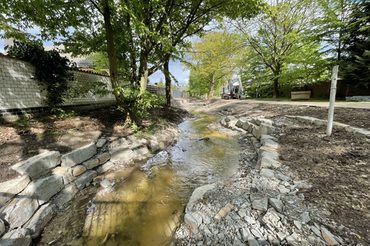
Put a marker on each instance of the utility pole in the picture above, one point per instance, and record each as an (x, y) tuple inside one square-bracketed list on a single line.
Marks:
[(333, 92)]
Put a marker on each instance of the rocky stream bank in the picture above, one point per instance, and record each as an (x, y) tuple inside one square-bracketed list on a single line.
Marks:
[(262, 204)]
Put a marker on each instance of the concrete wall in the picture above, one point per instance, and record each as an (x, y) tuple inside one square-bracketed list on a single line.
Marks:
[(19, 89)]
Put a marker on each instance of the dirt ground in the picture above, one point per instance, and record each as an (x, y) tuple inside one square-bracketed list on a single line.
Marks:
[(338, 167), (27, 137)]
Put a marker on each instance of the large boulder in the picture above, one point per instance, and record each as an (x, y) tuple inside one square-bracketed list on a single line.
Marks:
[(19, 211), (38, 165), (43, 189), (18, 237), (79, 155), (39, 220), (11, 188)]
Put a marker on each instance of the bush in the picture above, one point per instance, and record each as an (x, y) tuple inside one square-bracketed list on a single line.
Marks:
[(137, 106), (51, 70)]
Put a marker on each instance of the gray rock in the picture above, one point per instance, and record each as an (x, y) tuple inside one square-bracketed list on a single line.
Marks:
[(82, 181), (103, 158), (276, 204), (65, 173), (43, 189), (11, 188), (2, 227), (268, 162), (193, 220), (38, 165), (92, 163), (271, 218), (19, 211), (106, 167), (124, 156), (293, 239), (253, 242), (245, 233), (268, 173), (198, 194), (302, 184), (79, 155), (141, 153), (39, 220), (305, 217), (65, 195), (17, 237), (315, 230), (100, 143), (260, 204), (105, 183), (282, 189), (298, 224), (282, 177), (328, 237)]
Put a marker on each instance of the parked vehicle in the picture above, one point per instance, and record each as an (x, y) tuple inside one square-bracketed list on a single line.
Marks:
[(233, 89)]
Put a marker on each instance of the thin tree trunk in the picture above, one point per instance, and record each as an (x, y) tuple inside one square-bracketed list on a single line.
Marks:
[(167, 77), (211, 87), (276, 87), (111, 50)]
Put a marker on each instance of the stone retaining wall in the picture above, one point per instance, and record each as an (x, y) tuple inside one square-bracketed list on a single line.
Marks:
[(50, 180)]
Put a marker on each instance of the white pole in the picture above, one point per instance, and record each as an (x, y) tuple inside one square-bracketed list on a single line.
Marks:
[(333, 92)]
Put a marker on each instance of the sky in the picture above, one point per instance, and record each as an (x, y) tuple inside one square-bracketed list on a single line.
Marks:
[(176, 68)]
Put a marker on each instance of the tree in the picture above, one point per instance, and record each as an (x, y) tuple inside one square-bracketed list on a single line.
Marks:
[(356, 61), (215, 58), (278, 34)]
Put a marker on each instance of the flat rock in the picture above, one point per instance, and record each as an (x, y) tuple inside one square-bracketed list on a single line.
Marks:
[(224, 211), (103, 158), (124, 156), (198, 194), (100, 143), (260, 204), (79, 155), (328, 237), (19, 211), (92, 163), (78, 170), (43, 189), (193, 220), (38, 165), (39, 220), (12, 187), (268, 173), (65, 195), (65, 173), (268, 162), (82, 181), (141, 153), (276, 204), (17, 237)]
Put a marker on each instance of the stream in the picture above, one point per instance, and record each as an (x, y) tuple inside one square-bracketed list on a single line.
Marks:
[(146, 204)]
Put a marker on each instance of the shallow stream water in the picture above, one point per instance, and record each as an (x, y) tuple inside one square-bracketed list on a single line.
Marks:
[(146, 205)]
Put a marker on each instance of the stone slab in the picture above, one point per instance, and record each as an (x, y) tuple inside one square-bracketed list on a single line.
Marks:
[(38, 165), (12, 187), (18, 237), (65, 196), (82, 181), (43, 189), (79, 155), (19, 211), (39, 220)]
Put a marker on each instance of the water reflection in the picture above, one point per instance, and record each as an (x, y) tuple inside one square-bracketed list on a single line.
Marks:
[(146, 207)]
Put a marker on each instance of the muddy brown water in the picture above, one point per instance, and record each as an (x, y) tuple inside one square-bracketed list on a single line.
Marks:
[(147, 205)]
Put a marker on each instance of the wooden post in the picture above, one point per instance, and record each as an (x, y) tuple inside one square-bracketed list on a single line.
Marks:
[(333, 92)]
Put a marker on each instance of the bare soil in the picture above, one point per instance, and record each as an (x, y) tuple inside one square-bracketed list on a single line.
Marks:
[(338, 167), (27, 137)]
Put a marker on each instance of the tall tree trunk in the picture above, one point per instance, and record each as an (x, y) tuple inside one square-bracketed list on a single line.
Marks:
[(111, 49), (211, 89), (276, 80), (143, 71), (166, 71)]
